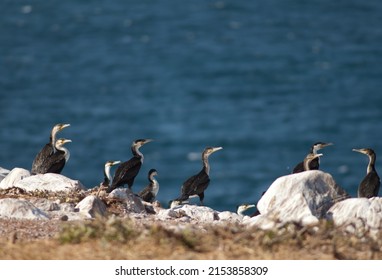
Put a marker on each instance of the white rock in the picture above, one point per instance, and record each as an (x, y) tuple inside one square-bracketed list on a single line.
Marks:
[(358, 214), (265, 222), (201, 214), (228, 216), (303, 197), (165, 214), (20, 209), (132, 202), (3, 173), (14, 176), (67, 210), (45, 205), (49, 182), (91, 206)]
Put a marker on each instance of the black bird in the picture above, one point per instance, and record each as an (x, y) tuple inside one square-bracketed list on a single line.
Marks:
[(56, 162), (39, 165), (369, 186), (314, 164), (150, 192), (197, 184), (128, 170), (107, 175)]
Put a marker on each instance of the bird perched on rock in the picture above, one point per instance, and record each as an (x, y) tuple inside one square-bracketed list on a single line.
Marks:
[(128, 170), (244, 207), (197, 184), (314, 164), (56, 162), (309, 159), (107, 175), (39, 165), (369, 186), (150, 192)]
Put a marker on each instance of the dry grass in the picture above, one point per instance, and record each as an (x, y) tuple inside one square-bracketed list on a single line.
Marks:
[(117, 238)]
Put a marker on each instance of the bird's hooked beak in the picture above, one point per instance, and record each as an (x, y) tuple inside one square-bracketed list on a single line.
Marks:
[(145, 141), (115, 162), (320, 146), (64, 126), (326, 144), (362, 151), (67, 141), (216, 149)]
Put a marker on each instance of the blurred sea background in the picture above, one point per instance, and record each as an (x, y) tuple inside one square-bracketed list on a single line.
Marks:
[(263, 79)]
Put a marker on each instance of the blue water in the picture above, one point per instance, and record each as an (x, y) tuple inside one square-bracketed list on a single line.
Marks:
[(262, 79)]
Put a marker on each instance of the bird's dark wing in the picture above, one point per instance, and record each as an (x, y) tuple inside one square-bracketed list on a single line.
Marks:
[(126, 172), (38, 165), (55, 163), (146, 194), (314, 165), (298, 168), (196, 184), (369, 186)]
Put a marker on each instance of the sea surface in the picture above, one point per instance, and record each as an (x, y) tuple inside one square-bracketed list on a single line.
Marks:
[(263, 79)]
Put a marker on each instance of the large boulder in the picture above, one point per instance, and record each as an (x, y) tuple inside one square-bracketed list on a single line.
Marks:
[(303, 197), (358, 215), (49, 182), (20, 209), (13, 177)]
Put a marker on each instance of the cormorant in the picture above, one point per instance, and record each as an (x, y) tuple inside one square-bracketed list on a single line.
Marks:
[(241, 208), (107, 175), (128, 170), (56, 162), (38, 165), (197, 184), (315, 164), (307, 163), (149, 193), (369, 186)]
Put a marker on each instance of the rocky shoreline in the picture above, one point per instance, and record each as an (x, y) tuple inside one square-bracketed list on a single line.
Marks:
[(302, 216), (303, 198)]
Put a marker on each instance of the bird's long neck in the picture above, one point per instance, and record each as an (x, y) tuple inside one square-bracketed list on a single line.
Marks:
[(240, 211), (206, 165), (53, 139), (65, 150), (137, 153), (151, 178), (307, 161), (371, 165), (107, 174), (154, 183)]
